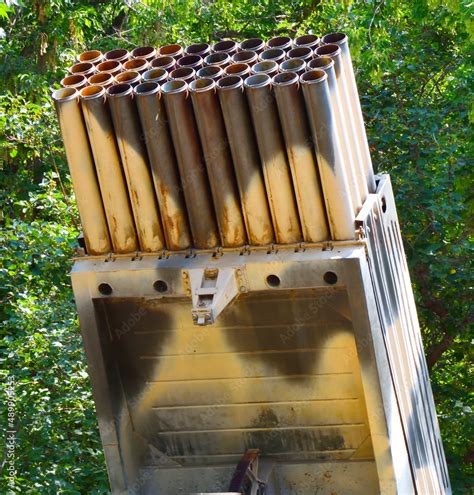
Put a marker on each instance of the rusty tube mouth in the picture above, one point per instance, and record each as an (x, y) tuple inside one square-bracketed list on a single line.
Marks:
[(226, 46), (119, 54), (253, 44), (293, 65), (129, 77), (193, 61), (164, 62), (283, 42), (314, 76), (257, 81), (265, 67), (321, 63), (157, 74), (174, 87), (202, 85), (240, 69), (65, 94), (219, 58), (92, 56), (309, 40), (137, 64), (74, 81), (286, 79), (245, 57), (173, 50), (182, 74), (147, 88), (211, 71), (82, 68), (336, 38), (201, 49), (303, 52), (146, 52), (276, 54), (111, 66), (101, 79), (230, 82), (331, 50), (119, 90), (92, 92)]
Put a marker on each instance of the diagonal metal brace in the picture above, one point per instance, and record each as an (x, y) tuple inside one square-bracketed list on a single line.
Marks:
[(212, 289)]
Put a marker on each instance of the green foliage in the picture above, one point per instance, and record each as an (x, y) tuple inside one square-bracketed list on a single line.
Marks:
[(415, 77)]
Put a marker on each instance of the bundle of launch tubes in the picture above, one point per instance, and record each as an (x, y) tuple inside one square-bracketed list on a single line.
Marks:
[(236, 144)]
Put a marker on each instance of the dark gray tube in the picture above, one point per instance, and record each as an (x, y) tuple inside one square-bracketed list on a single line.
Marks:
[(301, 156), (247, 165), (336, 191), (137, 170), (276, 170), (218, 160), (163, 164), (191, 164)]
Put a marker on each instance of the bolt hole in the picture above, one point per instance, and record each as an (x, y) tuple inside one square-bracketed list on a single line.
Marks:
[(273, 281), (330, 278), (160, 286), (384, 204), (105, 289)]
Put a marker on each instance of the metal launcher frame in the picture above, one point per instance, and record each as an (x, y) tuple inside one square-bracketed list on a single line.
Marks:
[(310, 353)]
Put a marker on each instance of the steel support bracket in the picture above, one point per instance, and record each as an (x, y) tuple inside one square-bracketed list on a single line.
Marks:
[(212, 289)]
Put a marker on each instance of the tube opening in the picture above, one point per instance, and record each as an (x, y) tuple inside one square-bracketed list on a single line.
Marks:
[(273, 54), (330, 50), (128, 76), (203, 84), (101, 78), (307, 40), (237, 69), (65, 94), (252, 44), (172, 50), (279, 42), (81, 68), (183, 73), (109, 66), (120, 90), (303, 52), (211, 71), (92, 92), (90, 56), (245, 56), (74, 80), (137, 64), (190, 61), (225, 46), (285, 79), (143, 52), (230, 82), (293, 64), (335, 38), (313, 76), (117, 54), (321, 63), (147, 88), (257, 81), (165, 62), (175, 86), (265, 66), (219, 58), (198, 49), (156, 74)]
